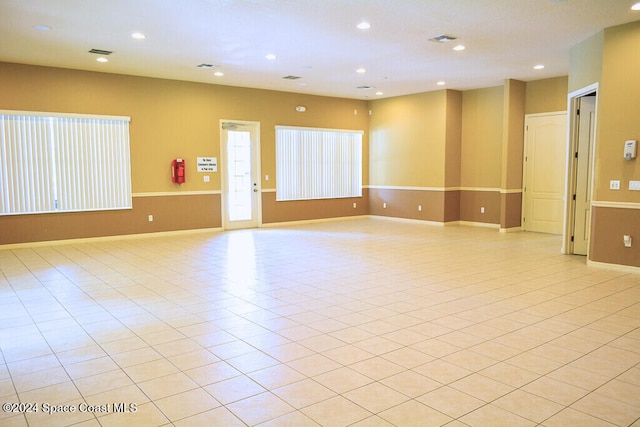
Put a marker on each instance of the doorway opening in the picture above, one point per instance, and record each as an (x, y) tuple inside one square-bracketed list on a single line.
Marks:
[(581, 146), (240, 154)]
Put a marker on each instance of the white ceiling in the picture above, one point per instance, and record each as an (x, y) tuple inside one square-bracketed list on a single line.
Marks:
[(314, 39)]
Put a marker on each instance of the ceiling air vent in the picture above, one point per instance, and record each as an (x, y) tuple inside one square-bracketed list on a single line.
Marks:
[(365, 87), (291, 77), (101, 52), (206, 66), (444, 38)]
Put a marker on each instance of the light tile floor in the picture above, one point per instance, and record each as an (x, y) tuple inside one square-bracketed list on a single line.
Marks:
[(364, 322)]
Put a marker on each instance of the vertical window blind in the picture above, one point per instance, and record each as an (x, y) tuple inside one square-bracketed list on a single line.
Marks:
[(62, 163), (317, 163)]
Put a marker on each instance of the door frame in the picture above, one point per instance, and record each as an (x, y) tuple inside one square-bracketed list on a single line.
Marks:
[(223, 165), (572, 164), (525, 162)]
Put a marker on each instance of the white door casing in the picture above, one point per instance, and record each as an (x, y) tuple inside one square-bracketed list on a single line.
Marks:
[(583, 158), (240, 152)]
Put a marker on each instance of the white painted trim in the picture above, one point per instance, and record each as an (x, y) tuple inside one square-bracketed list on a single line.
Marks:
[(254, 126), (273, 190), (64, 115), (408, 220), (617, 267), (311, 221), (486, 189), (175, 193), (572, 143), (615, 205), (551, 113), (479, 224), (361, 132), (401, 187), (510, 229), (108, 238)]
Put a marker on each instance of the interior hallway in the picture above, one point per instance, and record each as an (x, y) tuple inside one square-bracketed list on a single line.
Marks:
[(366, 322)]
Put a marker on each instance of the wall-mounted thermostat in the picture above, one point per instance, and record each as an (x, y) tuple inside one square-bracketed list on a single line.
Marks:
[(630, 149)]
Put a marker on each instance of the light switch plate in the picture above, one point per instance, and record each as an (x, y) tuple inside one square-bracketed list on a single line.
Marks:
[(614, 184), (634, 185)]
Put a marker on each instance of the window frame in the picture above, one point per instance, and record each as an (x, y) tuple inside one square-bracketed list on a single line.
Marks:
[(76, 163), (314, 160)]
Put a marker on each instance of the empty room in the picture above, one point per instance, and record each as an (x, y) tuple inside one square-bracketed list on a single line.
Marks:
[(319, 213)]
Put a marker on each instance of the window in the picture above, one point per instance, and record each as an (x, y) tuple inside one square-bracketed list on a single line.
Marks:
[(317, 163), (62, 163)]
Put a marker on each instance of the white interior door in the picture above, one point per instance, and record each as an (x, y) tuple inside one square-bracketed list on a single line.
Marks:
[(241, 192), (586, 128), (544, 172)]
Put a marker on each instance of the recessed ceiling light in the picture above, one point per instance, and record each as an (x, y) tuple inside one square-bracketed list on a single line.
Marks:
[(441, 83), (271, 57), (379, 93), (218, 74), (635, 6), (42, 27), (361, 71), (102, 59), (538, 67), (363, 25), (138, 36), (459, 47)]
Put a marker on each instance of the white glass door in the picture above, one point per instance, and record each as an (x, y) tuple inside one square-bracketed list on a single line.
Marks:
[(241, 192)]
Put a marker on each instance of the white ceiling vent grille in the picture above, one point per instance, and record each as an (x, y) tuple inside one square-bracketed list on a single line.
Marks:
[(444, 38), (291, 77)]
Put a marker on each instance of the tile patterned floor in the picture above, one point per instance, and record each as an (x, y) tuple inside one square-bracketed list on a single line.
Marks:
[(365, 322)]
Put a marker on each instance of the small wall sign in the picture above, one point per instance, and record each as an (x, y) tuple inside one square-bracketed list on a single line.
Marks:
[(207, 164)]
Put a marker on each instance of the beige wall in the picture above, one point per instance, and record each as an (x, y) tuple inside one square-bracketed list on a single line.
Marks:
[(618, 113), (407, 141), (453, 139), (452, 166), (515, 93), (168, 119), (481, 157), (618, 120), (585, 62), (547, 95), (172, 118)]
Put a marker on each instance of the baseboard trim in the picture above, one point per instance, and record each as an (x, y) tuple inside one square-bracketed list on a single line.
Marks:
[(510, 229), (479, 224), (407, 220), (311, 221), (617, 267), (42, 243)]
